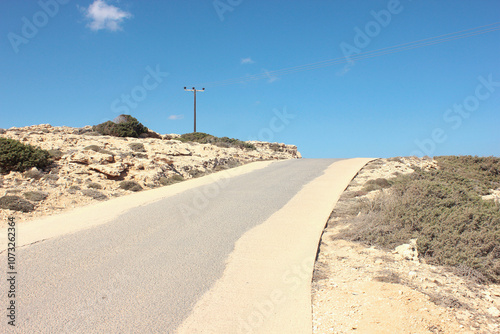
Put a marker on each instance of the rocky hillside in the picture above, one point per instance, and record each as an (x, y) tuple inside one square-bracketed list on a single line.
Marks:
[(91, 167)]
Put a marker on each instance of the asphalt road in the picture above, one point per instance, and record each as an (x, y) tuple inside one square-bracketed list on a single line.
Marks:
[(144, 271)]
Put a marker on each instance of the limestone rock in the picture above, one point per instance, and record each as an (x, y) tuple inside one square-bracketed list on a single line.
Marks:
[(493, 311), (85, 156), (408, 251), (88, 157), (112, 170)]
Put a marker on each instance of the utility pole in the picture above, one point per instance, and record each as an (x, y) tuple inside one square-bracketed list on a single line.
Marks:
[(194, 90)]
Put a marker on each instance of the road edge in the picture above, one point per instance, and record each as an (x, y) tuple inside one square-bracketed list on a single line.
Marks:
[(266, 286), (92, 215)]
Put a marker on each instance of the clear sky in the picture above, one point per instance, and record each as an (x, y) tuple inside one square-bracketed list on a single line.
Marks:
[(312, 73)]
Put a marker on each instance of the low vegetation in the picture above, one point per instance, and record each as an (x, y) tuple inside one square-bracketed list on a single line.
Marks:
[(95, 194), (98, 149), (376, 184), (205, 138), (444, 210), (137, 147), (35, 196), (16, 156), (16, 203), (94, 185), (121, 126), (164, 181), (130, 185)]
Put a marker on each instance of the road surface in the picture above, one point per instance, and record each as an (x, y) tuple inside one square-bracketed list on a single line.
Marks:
[(144, 271)]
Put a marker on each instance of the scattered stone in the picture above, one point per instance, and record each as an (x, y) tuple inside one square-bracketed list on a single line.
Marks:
[(493, 311), (112, 171), (408, 251), (83, 157)]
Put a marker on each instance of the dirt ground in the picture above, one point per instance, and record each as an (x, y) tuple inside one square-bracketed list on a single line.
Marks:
[(359, 289)]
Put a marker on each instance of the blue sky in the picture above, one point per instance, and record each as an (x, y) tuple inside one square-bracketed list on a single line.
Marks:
[(79, 63)]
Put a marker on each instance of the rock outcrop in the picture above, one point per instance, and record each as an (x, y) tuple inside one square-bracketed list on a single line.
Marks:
[(85, 159)]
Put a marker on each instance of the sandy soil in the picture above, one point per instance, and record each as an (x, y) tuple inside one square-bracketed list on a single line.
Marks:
[(358, 289)]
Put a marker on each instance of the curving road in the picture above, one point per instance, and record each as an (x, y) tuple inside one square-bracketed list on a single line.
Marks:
[(144, 271)]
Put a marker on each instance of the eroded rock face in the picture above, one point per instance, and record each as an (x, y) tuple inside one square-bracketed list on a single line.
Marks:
[(86, 158)]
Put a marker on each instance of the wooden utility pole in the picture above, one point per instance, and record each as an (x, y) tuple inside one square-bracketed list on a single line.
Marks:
[(194, 90)]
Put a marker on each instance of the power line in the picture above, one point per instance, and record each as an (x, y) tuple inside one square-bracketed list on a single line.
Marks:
[(364, 55)]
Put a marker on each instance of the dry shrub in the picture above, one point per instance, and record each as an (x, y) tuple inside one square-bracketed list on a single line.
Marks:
[(443, 210)]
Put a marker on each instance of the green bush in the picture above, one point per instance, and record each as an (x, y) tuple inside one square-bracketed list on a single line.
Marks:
[(205, 138), (16, 203), (231, 142), (199, 137), (130, 185), (16, 156), (123, 126), (478, 174)]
